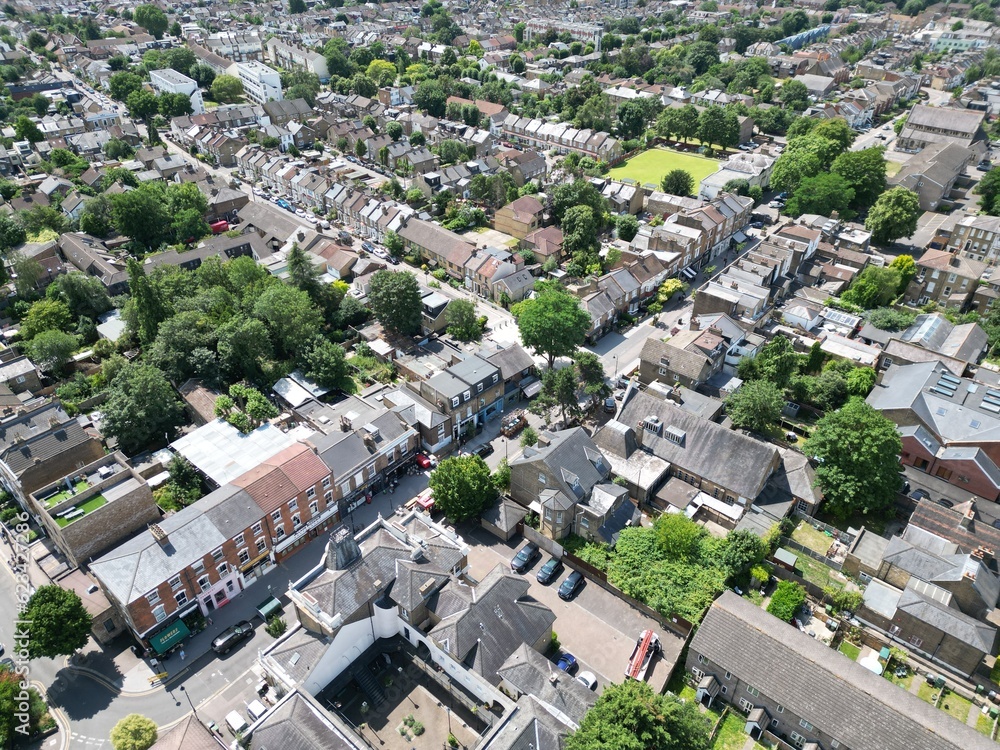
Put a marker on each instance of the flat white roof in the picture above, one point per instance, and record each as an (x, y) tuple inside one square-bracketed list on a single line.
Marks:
[(222, 453)]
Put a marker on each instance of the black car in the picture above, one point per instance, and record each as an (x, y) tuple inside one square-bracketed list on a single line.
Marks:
[(550, 571), (523, 559), (484, 450), (945, 502), (919, 494), (232, 636), (568, 588)]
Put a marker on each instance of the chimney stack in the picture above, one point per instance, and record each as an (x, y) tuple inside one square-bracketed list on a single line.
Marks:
[(159, 535)]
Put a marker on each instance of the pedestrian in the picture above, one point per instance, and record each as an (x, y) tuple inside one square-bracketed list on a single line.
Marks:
[(182, 654)]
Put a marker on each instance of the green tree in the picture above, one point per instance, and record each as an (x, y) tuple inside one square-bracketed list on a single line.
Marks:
[(146, 308), (27, 271), (462, 487), (290, 315), (631, 119), (141, 408), (151, 18), (894, 215), (860, 381), (741, 551), (174, 105), (134, 732), (302, 271), (96, 216), (57, 623), (26, 130), (631, 716), (393, 243), (296, 6), (226, 89), (907, 268), (559, 389), (578, 193), (786, 600), (590, 375), (890, 318), (579, 226), (45, 315), (793, 166), (83, 294), (776, 362), (755, 405), (794, 94), (718, 126), (202, 74), (823, 194), (864, 171), (244, 346), (553, 323), (677, 182), (668, 289), (52, 350), (462, 322), (858, 450), (628, 227), (141, 214), (326, 365), (873, 287), (123, 83), (12, 233), (394, 298), (678, 537), (394, 130)]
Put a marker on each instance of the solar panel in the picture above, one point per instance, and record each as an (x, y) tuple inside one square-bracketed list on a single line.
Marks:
[(950, 378), (950, 387), (941, 392)]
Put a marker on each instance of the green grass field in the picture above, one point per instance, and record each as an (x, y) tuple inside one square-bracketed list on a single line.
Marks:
[(651, 165)]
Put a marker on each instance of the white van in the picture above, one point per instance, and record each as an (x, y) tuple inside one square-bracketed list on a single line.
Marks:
[(256, 709), (236, 723)]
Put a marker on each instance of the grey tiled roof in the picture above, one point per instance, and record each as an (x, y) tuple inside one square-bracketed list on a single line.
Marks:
[(530, 673), (296, 724), (505, 514), (739, 463), (531, 727), (947, 619), (567, 453), (495, 624), (838, 696)]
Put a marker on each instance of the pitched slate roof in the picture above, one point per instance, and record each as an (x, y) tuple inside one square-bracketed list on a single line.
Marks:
[(297, 724), (841, 698), (500, 619), (530, 673), (190, 734), (747, 463)]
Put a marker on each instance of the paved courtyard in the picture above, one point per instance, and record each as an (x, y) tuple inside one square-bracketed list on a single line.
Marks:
[(597, 627)]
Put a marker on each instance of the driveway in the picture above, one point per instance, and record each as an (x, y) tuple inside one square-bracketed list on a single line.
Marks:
[(597, 627)]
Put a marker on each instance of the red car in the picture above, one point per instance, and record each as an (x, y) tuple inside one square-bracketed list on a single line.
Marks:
[(423, 461)]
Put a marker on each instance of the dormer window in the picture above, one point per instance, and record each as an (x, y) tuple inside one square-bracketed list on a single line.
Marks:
[(652, 424)]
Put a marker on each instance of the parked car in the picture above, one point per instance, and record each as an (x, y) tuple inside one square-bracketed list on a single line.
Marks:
[(392, 259), (943, 501), (484, 450), (919, 494), (550, 571), (567, 590), (232, 636), (610, 406), (985, 165), (523, 559), (424, 461), (567, 662), (587, 679)]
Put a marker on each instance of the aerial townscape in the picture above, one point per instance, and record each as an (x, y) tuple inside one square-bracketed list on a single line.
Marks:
[(508, 375)]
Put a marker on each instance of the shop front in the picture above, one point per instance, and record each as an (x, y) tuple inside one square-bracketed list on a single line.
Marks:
[(220, 594), (169, 637)]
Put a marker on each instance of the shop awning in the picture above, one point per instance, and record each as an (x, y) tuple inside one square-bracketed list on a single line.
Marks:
[(169, 636), (531, 389), (268, 607)]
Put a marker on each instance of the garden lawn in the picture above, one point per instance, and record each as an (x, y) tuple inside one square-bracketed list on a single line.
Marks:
[(955, 705), (812, 538), (927, 692), (731, 735), (984, 724), (652, 164), (816, 572), (849, 650)]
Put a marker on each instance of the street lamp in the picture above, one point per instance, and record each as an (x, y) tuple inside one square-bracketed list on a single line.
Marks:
[(184, 690), (447, 711), (615, 358)]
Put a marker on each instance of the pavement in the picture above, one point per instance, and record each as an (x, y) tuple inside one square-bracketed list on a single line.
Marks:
[(597, 627)]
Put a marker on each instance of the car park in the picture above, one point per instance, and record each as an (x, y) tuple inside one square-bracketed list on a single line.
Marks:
[(567, 662), (523, 559), (587, 679), (550, 571), (568, 588), (230, 637)]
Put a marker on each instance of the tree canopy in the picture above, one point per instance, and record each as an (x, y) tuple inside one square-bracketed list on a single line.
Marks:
[(553, 323), (58, 623), (134, 732), (894, 215), (142, 406), (755, 405), (394, 298), (630, 716), (858, 452), (462, 487)]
